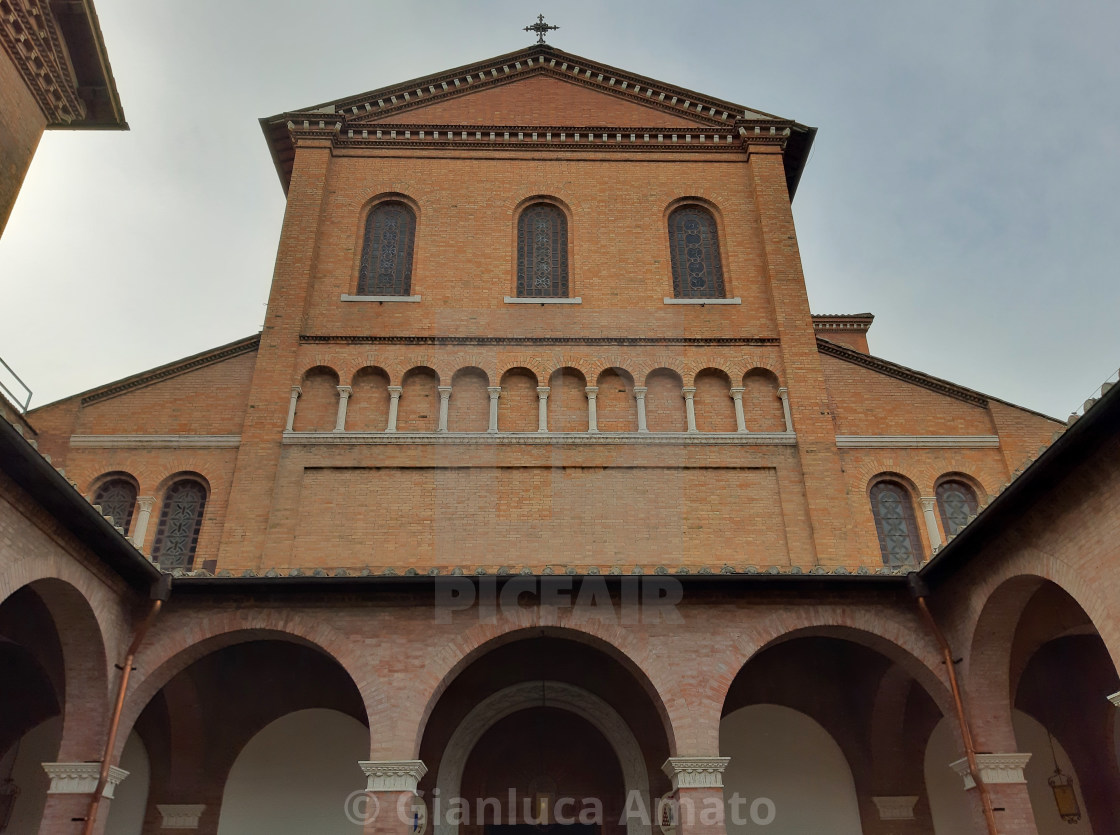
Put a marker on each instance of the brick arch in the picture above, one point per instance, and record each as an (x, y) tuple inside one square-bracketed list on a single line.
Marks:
[(657, 363), (534, 363), (753, 364), (579, 362), (180, 639), (900, 637), (997, 606), (973, 481), (436, 363), (695, 367), (91, 622), (472, 644), (485, 364), (324, 360)]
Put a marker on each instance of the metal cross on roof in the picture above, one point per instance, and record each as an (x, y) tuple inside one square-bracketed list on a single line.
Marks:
[(540, 28)]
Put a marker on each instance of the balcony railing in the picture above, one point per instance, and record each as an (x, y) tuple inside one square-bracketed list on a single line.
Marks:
[(10, 384)]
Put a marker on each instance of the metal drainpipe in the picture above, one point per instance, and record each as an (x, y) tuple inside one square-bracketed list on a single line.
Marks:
[(920, 591), (161, 591)]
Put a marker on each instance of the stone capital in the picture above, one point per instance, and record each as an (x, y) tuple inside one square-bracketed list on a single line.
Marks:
[(296, 391), (929, 503), (737, 391), (688, 391), (1115, 698), (345, 391), (180, 815), (395, 391), (640, 391), (591, 390), (783, 392), (393, 775), (898, 808), (494, 391), (145, 503), (994, 769), (695, 772), (81, 778)]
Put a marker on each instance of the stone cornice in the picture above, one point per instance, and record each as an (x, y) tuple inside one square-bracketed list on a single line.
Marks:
[(29, 34), (897, 808), (695, 772), (180, 815), (393, 775), (994, 769), (543, 438), (81, 778), (371, 339), (155, 441), (843, 321)]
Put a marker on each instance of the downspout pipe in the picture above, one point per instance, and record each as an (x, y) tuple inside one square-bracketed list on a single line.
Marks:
[(160, 592), (920, 590)]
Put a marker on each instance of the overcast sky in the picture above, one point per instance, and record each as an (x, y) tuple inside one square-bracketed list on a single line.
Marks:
[(963, 185)]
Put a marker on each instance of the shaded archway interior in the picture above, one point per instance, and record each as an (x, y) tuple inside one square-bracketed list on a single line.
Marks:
[(31, 654)]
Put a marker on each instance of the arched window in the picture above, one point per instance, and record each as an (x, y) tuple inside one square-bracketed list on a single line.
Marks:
[(387, 252), (894, 521), (179, 522), (694, 251), (117, 498), (956, 501), (542, 252)]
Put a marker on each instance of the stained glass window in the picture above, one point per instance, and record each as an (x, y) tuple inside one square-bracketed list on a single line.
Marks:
[(895, 524), (694, 251), (386, 268), (179, 522), (956, 501), (117, 498), (542, 252)]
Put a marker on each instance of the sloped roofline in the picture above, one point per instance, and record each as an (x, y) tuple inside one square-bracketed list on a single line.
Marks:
[(918, 378), (502, 69)]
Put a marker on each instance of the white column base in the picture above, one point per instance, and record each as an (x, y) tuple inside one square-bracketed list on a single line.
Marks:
[(896, 808), (994, 769), (81, 778), (180, 816), (393, 775), (695, 772)]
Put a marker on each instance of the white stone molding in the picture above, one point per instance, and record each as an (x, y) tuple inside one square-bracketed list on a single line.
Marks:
[(671, 300), (519, 300), (140, 530), (640, 398), (393, 775), (543, 436), (394, 406), (444, 400), (689, 394), (918, 441), (344, 393), (156, 441), (783, 395), (928, 505), (290, 425), (899, 808), (994, 769), (695, 772), (495, 392), (740, 418), (592, 409), (346, 298), (1115, 699), (552, 694), (81, 778), (180, 815), (542, 408)]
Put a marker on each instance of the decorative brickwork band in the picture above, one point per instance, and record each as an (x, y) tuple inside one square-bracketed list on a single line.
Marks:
[(81, 778), (695, 772), (994, 769), (393, 775), (180, 816), (896, 808)]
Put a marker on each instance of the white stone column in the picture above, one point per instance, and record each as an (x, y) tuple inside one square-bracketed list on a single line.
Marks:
[(144, 503), (690, 406), (542, 408), (180, 815), (994, 769), (344, 393), (81, 778), (394, 404), (592, 411), (495, 392), (444, 399), (290, 425), (740, 418), (928, 511), (897, 808), (640, 397), (783, 394)]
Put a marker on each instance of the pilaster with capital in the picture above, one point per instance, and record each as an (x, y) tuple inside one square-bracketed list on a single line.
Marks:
[(394, 406), (640, 399), (292, 401), (495, 392), (689, 393), (143, 516), (930, 516), (592, 409), (740, 418), (542, 408), (344, 393), (444, 401), (783, 395)]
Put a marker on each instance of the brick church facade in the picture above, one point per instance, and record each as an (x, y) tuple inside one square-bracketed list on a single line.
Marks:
[(541, 478)]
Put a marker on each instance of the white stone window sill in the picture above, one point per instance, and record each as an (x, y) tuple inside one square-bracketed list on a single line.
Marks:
[(519, 300), (347, 298), (669, 300)]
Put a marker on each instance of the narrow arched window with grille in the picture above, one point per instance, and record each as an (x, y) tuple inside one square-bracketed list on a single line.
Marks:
[(956, 501), (117, 498), (694, 252), (542, 252), (386, 268), (180, 520), (895, 523)]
